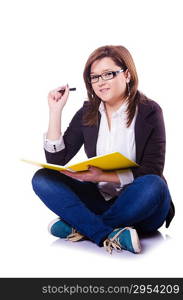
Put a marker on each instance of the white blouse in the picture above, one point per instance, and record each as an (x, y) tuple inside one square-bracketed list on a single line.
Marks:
[(118, 138)]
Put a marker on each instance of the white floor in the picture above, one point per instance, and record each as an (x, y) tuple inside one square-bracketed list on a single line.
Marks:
[(28, 250)]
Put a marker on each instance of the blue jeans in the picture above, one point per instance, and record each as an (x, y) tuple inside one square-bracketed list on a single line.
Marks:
[(143, 204)]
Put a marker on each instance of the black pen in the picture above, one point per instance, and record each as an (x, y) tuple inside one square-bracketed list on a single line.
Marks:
[(63, 90)]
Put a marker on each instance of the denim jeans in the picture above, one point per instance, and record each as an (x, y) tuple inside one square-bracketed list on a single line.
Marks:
[(143, 204)]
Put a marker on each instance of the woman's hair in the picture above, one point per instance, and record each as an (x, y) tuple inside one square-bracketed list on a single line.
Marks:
[(122, 58)]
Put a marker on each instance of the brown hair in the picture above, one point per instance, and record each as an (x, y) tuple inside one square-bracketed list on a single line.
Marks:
[(122, 58)]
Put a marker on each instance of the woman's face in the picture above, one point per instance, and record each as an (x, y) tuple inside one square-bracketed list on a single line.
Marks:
[(113, 90)]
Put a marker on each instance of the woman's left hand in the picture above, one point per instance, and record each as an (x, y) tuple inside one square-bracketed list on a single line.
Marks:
[(93, 174)]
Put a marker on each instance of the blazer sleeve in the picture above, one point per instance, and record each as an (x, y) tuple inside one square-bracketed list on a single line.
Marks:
[(73, 140), (152, 158)]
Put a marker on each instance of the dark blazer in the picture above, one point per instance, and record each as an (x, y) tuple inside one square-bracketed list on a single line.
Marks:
[(149, 137)]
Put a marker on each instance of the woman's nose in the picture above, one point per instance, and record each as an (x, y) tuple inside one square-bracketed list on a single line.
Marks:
[(101, 81)]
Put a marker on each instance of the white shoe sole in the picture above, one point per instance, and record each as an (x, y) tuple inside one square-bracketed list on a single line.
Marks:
[(135, 240)]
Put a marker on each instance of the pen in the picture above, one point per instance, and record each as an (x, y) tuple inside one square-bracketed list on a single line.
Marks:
[(70, 89)]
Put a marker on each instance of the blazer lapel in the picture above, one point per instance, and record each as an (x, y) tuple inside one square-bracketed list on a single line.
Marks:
[(142, 133), (142, 129), (91, 135)]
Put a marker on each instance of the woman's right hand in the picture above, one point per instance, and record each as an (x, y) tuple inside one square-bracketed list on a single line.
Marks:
[(56, 100)]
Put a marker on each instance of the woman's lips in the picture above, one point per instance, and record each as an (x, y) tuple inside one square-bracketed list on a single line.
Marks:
[(104, 90)]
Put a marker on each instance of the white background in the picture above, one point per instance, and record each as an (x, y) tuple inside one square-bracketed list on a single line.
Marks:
[(45, 44)]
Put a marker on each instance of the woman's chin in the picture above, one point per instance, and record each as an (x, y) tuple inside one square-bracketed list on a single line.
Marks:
[(106, 99)]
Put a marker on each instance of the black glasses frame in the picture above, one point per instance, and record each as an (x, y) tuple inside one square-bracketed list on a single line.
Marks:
[(114, 73)]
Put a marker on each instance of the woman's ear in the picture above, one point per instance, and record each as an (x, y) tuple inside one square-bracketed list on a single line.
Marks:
[(128, 76)]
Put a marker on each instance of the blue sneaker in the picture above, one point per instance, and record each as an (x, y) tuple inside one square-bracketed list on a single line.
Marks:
[(123, 238), (61, 229)]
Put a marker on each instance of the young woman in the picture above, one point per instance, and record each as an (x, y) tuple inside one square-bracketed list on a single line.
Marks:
[(108, 208)]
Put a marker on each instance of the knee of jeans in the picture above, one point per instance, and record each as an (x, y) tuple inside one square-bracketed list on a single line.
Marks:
[(154, 182), (38, 178), (152, 178)]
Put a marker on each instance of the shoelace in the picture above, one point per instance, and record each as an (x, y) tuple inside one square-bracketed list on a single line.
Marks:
[(74, 236), (113, 243)]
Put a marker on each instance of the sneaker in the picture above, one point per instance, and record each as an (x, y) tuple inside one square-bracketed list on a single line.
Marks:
[(123, 238), (61, 229)]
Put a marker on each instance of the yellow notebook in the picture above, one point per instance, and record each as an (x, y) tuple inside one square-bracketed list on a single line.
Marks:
[(111, 161)]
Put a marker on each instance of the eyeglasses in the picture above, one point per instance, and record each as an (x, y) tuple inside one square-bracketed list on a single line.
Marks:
[(105, 76)]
